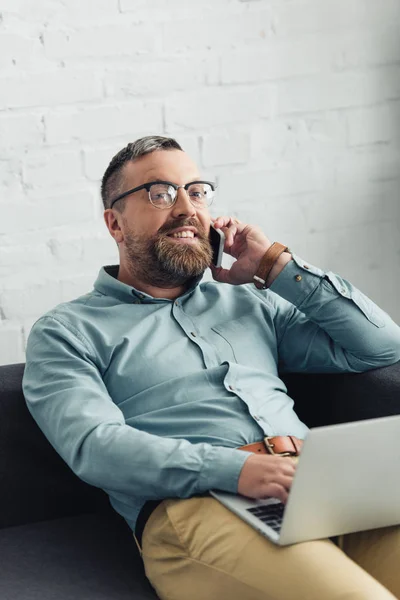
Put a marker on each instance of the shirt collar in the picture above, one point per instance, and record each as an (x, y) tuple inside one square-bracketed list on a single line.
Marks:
[(108, 285)]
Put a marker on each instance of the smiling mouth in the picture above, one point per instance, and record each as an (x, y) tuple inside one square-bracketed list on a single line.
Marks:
[(183, 235)]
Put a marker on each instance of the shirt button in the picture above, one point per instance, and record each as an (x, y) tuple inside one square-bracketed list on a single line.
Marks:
[(193, 334), (306, 266), (176, 303), (231, 388), (298, 278), (344, 291), (256, 417)]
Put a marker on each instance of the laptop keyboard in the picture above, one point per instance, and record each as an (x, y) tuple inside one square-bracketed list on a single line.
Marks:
[(270, 514)]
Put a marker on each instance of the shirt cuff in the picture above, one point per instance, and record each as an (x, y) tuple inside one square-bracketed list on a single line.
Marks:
[(223, 469), (297, 280)]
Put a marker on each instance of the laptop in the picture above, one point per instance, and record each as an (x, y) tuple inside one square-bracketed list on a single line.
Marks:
[(347, 479)]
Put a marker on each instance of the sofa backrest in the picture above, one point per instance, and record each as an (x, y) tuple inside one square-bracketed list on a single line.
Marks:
[(325, 399), (36, 484)]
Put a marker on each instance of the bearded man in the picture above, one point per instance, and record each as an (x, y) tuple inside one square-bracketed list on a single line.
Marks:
[(157, 387)]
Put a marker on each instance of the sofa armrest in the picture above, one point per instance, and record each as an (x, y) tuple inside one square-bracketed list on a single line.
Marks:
[(326, 399), (36, 484)]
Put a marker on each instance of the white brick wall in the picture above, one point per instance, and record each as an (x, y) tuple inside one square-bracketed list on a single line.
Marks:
[(293, 106)]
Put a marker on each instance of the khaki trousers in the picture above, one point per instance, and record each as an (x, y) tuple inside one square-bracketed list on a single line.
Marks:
[(196, 549)]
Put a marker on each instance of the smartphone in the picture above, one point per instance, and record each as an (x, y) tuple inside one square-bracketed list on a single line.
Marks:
[(217, 241)]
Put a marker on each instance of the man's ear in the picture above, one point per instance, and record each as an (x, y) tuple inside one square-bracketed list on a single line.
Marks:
[(113, 221)]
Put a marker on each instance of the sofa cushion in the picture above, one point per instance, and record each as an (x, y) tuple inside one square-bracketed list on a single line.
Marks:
[(88, 557)]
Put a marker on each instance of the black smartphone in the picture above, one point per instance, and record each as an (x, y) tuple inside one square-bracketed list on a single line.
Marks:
[(217, 241)]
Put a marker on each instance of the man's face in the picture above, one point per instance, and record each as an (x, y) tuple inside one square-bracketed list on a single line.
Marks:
[(151, 250)]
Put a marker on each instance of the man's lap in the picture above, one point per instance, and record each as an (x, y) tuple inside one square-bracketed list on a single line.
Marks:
[(197, 548)]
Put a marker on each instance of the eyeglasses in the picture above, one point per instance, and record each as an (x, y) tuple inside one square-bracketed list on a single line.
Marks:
[(163, 194)]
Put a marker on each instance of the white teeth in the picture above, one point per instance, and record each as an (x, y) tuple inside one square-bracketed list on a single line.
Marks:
[(183, 234)]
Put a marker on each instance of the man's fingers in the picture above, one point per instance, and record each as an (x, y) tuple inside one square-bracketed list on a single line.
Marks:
[(284, 481), (223, 221), (275, 490), (230, 233), (289, 467)]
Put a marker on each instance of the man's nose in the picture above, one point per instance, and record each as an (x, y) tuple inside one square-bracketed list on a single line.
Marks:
[(183, 206)]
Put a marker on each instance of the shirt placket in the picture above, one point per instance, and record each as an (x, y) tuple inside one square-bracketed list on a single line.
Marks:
[(211, 359)]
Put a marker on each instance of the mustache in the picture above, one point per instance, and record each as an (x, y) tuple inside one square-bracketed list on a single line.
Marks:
[(168, 227)]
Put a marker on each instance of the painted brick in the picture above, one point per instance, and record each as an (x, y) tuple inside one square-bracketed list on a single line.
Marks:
[(310, 16), (114, 40), (96, 160), (25, 15), (103, 122), (11, 346), (286, 139), (374, 125), (21, 258), (61, 210), (89, 12), (360, 167), (342, 90), (257, 186), (100, 249), (225, 148), (18, 51), (19, 131), (11, 179), (177, 9), (49, 88), (292, 107), (280, 60), (77, 286), (65, 250), (158, 78), (23, 301), (47, 168), (190, 143), (341, 206), (202, 33), (366, 49), (210, 108)]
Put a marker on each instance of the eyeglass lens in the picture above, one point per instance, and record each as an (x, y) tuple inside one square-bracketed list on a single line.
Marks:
[(163, 195)]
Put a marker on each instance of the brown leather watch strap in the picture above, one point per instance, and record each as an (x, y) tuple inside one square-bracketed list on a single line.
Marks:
[(266, 264), (282, 445)]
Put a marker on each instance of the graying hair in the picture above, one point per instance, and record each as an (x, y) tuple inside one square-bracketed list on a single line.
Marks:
[(111, 182)]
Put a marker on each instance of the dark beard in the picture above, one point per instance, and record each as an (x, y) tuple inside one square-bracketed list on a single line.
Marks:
[(162, 263)]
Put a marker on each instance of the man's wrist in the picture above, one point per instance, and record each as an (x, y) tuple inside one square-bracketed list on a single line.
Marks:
[(280, 264), (272, 262)]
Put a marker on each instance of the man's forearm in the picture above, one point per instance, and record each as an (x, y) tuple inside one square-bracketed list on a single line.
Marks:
[(361, 335)]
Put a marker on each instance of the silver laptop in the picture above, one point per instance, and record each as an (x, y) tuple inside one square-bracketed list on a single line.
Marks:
[(347, 479)]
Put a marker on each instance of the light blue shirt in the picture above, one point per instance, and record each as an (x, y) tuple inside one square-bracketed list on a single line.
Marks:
[(149, 398)]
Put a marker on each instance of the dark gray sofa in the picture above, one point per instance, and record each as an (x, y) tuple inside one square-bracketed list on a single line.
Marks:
[(59, 537)]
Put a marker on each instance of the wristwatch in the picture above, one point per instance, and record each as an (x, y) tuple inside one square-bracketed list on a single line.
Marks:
[(267, 262)]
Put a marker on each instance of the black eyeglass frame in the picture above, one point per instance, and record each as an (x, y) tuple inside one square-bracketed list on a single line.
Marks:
[(146, 186)]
